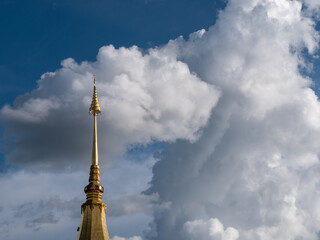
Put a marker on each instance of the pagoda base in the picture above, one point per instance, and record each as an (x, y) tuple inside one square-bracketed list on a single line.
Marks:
[(93, 222)]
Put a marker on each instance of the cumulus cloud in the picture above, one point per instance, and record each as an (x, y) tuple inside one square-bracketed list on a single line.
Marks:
[(46, 205), (144, 98), (131, 204), (130, 238), (313, 5), (44, 219), (256, 166), (43, 211), (212, 229)]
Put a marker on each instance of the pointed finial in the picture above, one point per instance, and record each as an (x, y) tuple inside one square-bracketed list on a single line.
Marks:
[(94, 108)]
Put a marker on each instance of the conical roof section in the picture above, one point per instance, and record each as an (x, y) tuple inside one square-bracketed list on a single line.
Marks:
[(94, 108)]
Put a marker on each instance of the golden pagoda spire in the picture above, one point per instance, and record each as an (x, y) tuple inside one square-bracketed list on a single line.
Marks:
[(94, 110), (93, 212)]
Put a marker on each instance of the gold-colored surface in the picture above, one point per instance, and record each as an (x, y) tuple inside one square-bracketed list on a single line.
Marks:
[(93, 222), (95, 110), (93, 212)]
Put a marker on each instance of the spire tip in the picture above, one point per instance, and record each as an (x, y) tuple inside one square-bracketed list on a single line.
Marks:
[(94, 108)]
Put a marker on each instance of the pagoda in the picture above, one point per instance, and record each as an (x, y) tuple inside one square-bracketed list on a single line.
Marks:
[(93, 212)]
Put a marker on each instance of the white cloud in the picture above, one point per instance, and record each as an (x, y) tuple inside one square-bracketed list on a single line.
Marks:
[(256, 166), (47, 205), (132, 204), (312, 4), (34, 110), (212, 229), (130, 238), (144, 98)]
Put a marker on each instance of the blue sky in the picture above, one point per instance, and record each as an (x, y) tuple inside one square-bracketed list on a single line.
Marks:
[(37, 35), (211, 135)]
